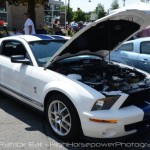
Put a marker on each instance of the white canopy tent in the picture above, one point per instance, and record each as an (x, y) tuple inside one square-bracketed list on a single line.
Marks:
[(139, 5)]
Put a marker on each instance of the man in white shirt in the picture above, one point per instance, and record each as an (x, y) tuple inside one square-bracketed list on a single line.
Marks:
[(28, 25)]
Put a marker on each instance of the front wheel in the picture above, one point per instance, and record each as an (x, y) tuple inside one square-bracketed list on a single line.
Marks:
[(62, 117)]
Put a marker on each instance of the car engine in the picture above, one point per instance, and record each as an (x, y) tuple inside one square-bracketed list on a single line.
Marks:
[(102, 75)]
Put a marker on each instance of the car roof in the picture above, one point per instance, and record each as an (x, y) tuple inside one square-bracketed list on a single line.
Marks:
[(36, 37), (137, 40)]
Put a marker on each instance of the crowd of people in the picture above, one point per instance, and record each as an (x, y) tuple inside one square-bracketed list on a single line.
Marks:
[(29, 28)]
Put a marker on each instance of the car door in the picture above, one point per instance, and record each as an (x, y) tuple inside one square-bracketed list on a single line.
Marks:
[(15, 77), (125, 54), (144, 57)]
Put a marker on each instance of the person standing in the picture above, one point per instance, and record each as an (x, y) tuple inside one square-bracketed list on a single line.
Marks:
[(28, 25), (55, 25), (5, 31)]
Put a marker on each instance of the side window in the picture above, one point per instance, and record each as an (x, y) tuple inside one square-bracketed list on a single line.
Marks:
[(10, 48), (145, 47), (126, 47)]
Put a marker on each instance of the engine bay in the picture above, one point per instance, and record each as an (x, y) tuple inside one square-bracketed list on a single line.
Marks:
[(101, 75)]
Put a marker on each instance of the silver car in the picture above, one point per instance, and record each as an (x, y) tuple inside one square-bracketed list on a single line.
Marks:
[(134, 53)]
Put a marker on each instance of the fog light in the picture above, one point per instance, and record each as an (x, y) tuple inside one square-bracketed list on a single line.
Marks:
[(109, 132)]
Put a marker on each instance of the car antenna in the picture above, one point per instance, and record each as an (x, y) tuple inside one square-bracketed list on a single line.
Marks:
[(109, 43)]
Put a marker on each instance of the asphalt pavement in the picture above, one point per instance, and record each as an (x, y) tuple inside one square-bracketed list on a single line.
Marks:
[(24, 128)]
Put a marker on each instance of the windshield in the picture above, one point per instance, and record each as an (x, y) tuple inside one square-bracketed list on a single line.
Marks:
[(45, 49)]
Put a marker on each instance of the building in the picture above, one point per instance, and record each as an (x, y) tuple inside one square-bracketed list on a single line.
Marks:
[(44, 14), (15, 15), (93, 17), (52, 11)]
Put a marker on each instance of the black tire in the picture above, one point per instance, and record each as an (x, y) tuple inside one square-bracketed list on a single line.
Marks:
[(57, 121)]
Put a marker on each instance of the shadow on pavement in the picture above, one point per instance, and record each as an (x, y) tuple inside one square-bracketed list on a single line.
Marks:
[(37, 122)]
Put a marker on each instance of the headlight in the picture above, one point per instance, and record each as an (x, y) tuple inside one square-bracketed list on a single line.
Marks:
[(105, 103)]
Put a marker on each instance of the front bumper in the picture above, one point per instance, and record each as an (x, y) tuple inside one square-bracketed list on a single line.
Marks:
[(127, 119)]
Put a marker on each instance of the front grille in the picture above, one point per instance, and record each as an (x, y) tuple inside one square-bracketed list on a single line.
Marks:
[(139, 126), (137, 97)]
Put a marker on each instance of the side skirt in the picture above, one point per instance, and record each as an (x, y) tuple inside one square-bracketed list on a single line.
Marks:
[(33, 103)]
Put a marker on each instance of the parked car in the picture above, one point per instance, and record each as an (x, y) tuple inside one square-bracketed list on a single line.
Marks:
[(3, 24), (134, 53), (73, 85)]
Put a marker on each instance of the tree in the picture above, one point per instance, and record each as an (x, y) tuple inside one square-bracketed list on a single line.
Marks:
[(71, 13), (87, 17), (30, 3), (100, 11), (79, 15), (3, 4), (62, 8), (114, 5)]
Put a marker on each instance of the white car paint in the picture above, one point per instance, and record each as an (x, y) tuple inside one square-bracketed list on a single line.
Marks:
[(124, 116), (32, 83)]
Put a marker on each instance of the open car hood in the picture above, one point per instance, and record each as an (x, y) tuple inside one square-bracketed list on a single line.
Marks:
[(103, 35)]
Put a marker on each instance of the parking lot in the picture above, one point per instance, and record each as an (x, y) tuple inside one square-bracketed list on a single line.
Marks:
[(24, 128)]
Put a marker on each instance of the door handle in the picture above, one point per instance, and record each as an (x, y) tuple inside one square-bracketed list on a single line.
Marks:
[(145, 61)]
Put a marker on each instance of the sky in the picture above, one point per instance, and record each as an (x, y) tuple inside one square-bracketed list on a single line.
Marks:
[(87, 6)]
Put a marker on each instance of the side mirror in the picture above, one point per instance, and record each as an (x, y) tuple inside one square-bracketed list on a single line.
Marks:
[(20, 59)]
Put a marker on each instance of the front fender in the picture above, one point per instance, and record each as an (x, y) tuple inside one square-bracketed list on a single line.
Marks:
[(81, 95)]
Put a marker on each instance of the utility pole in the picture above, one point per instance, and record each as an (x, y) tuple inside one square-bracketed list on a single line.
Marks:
[(68, 16), (124, 3)]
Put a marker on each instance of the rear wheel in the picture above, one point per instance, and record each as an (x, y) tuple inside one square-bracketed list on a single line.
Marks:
[(62, 117)]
